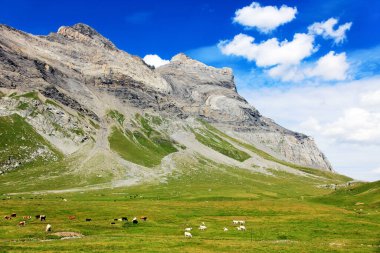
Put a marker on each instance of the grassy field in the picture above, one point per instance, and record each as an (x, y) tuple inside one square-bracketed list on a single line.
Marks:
[(283, 213)]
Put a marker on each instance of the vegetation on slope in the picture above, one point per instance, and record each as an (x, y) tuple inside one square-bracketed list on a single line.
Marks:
[(117, 116), (213, 141), (269, 157), (143, 145), (356, 195), (20, 144)]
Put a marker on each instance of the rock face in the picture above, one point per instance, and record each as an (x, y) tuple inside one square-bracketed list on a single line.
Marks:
[(81, 69)]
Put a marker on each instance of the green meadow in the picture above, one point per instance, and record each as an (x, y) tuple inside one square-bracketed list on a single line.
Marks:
[(283, 213)]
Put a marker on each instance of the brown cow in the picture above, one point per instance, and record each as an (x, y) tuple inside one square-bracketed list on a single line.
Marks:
[(7, 217), (72, 217), (22, 223), (13, 215), (26, 217), (143, 218)]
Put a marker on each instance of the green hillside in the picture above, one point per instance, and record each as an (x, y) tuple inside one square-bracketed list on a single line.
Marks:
[(21, 145), (142, 145)]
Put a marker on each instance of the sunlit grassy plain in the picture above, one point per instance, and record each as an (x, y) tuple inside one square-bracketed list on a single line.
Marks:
[(283, 213)]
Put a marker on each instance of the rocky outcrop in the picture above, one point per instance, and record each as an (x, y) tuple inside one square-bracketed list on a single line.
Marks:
[(81, 69)]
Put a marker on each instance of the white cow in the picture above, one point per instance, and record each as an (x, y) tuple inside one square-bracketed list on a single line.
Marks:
[(241, 222), (48, 228), (235, 222), (202, 227), (187, 234), (242, 228), (225, 229), (188, 229)]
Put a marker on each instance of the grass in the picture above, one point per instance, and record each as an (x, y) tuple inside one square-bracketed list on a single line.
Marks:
[(280, 211), (117, 116), (269, 157), (137, 148), (215, 142), (23, 106), (96, 126), (18, 140), (52, 102), (31, 95), (356, 196)]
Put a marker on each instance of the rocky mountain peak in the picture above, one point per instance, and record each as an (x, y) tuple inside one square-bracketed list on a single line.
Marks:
[(86, 34)]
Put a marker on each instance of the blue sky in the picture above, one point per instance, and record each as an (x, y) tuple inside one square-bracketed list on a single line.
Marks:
[(328, 78)]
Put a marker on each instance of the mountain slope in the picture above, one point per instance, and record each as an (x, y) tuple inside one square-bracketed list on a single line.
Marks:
[(86, 94)]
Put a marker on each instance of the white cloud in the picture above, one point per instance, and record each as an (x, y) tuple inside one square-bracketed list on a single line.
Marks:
[(154, 60), (270, 52), (371, 98), (329, 67), (345, 126), (326, 29), (356, 125), (266, 18)]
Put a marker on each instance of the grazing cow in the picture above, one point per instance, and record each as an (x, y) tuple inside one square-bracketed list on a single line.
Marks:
[(88, 219), (187, 234), (225, 229), (48, 228), (241, 228), (241, 222), (22, 223), (188, 229), (113, 223), (124, 218), (7, 217), (72, 217), (26, 217), (38, 217), (42, 217), (235, 222), (135, 221), (143, 218), (202, 227), (13, 215)]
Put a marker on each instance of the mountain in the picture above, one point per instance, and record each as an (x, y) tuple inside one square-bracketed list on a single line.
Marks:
[(108, 115)]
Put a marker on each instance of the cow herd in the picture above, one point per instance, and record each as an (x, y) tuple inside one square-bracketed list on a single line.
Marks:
[(240, 226), (42, 217)]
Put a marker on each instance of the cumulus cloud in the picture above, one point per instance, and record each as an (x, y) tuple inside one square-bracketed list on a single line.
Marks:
[(344, 125), (329, 67), (154, 60), (327, 31), (266, 18), (270, 52)]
